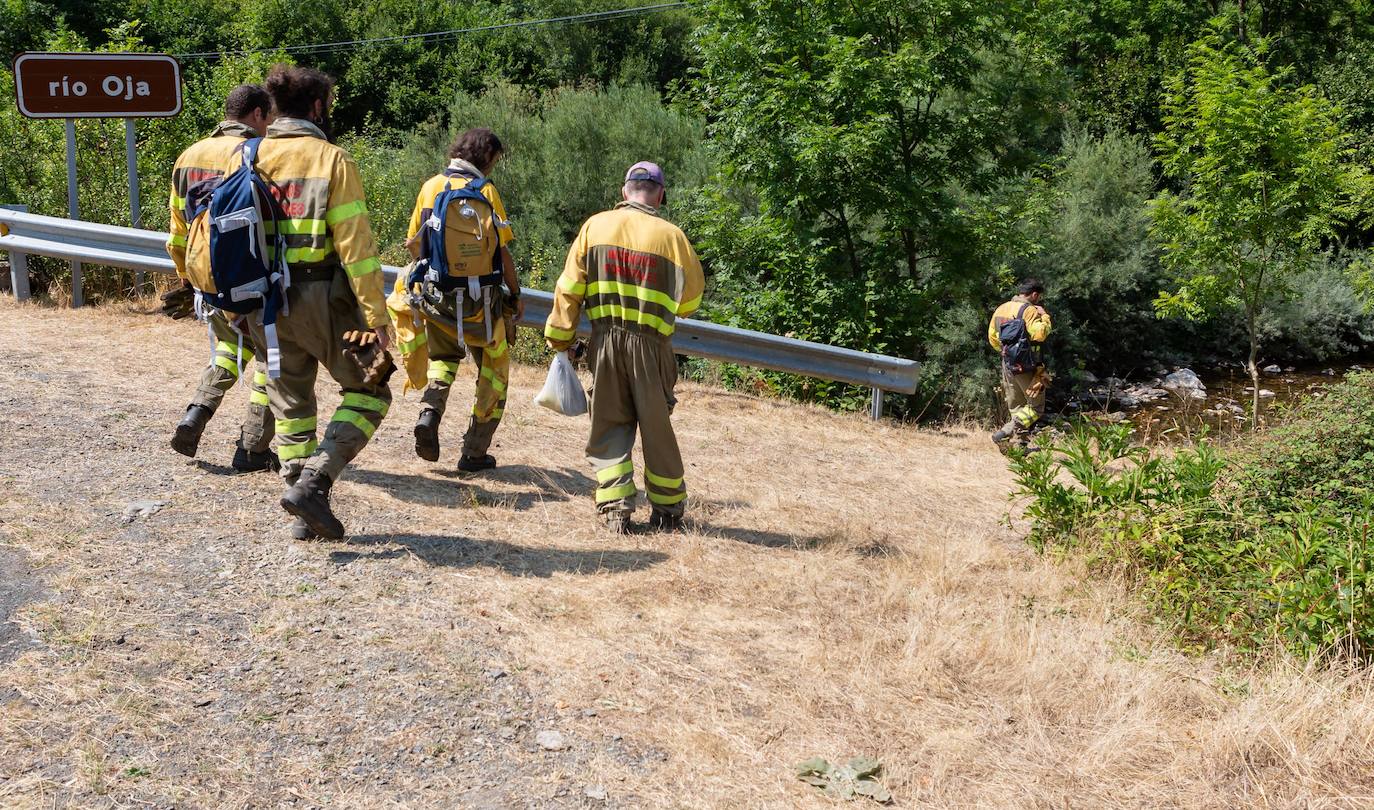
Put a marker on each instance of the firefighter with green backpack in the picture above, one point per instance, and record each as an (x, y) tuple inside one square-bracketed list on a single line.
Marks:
[(451, 301)]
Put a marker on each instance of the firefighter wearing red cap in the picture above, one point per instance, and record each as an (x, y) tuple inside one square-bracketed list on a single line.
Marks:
[(634, 274)]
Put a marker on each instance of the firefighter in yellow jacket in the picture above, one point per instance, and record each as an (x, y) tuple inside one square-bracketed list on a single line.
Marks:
[(248, 111), (1018, 331), (481, 319), (336, 287), (634, 274)]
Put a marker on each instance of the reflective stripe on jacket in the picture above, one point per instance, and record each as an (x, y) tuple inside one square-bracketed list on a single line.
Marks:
[(202, 160), (1037, 320), (321, 194), (628, 267)]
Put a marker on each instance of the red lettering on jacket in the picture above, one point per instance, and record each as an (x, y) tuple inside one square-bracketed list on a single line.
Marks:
[(632, 266)]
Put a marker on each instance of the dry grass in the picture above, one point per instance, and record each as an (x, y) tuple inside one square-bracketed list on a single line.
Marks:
[(847, 588)]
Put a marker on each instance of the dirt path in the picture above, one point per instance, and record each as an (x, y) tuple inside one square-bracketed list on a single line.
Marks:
[(847, 588)]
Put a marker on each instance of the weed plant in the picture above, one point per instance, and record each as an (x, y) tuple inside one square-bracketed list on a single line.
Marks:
[(1258, 548)]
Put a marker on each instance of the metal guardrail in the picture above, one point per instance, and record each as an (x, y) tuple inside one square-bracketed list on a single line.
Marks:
[(93, 243)]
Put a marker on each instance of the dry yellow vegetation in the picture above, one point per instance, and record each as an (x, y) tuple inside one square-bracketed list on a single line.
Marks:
[(845, 588)]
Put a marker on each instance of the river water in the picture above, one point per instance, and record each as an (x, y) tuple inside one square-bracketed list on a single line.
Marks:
[(1224, 409)]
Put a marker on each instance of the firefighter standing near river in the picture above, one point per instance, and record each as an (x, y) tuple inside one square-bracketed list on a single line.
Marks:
[(247, 112), (634, 273), (336, 292), (1018, 331)]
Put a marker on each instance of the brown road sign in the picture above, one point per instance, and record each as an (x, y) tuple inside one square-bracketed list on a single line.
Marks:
[(97, 85)]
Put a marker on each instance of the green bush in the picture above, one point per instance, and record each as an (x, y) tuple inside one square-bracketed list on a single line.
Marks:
[(1257, 549), (1324, 454), (566, 154)]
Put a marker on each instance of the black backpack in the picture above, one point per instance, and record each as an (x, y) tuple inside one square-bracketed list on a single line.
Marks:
[(1019, 354)]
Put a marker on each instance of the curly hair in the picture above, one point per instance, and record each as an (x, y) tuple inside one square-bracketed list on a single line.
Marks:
[(295, 89), (479, 146)]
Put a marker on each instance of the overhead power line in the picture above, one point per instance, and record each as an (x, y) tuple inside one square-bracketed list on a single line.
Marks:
[(434, 36)]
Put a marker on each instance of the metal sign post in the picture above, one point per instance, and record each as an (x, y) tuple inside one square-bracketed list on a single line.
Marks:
[(131, 160), (98, 85), (73, 207)]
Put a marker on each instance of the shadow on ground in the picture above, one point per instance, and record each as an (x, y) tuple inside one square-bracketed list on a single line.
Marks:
[(757, 537), (467, 490), (462, 552)]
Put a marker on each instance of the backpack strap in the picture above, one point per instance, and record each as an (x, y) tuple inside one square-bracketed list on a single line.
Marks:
[(1021, 313), (250, 152)]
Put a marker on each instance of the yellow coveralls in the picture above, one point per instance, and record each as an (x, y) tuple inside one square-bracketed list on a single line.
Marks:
[(205, 160), (634, 274), (1024, 397), (484, 328), (336, 287)]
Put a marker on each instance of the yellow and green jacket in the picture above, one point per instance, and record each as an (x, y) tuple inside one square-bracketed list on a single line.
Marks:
[(1037, 320), (411, 337), (321, 194), (628, 267), (202, 160)]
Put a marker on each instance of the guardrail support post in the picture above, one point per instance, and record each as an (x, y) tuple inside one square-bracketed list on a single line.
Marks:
[(19, 275), (19, 264), (876, 411)]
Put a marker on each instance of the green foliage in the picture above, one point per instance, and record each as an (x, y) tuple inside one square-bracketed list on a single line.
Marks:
[(1325, 453), (1268, 175), (566, 154), (1259, 549), (862, 149), (1095, 252)]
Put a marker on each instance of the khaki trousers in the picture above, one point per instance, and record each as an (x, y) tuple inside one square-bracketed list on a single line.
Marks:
[(223, 371), (493, 373), (310, 336), (633, 374), (1025, 410)]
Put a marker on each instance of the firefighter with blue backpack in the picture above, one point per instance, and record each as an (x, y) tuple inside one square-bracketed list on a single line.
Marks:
[(453, 296), (1018, 331), (285, 239), (248, 111)]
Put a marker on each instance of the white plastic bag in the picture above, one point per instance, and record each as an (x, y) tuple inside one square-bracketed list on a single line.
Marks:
[(563, 392)]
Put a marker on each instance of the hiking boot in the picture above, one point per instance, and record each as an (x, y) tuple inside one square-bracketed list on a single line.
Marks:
[(664, 522), (308, 499), (427, 435), (186, 439), (472, 464), (300, 531), (618, 522), (247, 461), (1001, 437)]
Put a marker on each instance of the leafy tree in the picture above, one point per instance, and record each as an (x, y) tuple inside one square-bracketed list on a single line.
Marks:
[(857, 142), (1267, 175)]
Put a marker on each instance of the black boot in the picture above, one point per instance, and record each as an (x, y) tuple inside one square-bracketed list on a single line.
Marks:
[(300, 531), (308, 499), (427, 435), (246, 460), (664, 522), (186, 439), (472, 464)]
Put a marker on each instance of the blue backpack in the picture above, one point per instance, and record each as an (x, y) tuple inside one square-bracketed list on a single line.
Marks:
[(1019, 353), (461, 241), (235, 262)]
